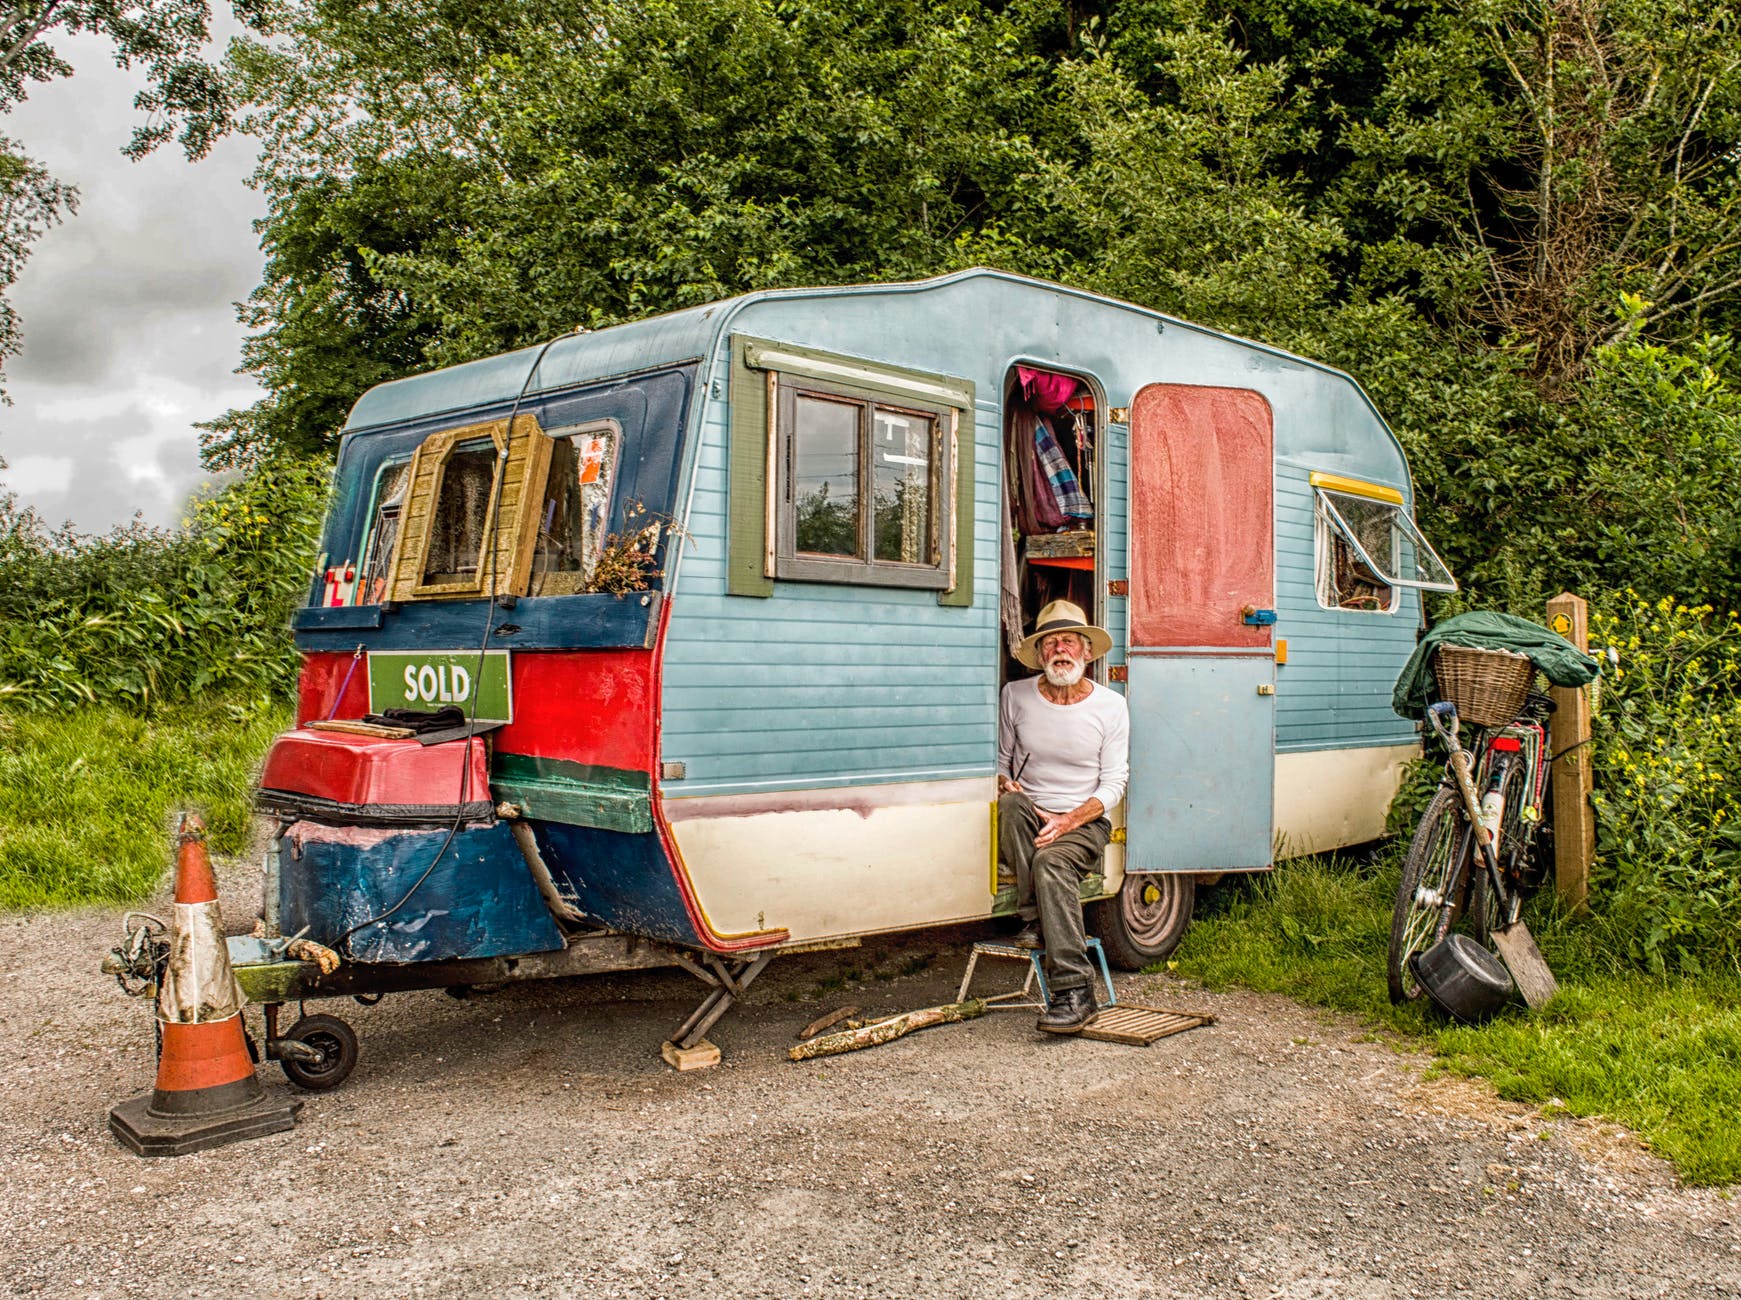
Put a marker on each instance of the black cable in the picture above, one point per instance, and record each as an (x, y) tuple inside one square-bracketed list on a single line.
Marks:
[(492, 530)]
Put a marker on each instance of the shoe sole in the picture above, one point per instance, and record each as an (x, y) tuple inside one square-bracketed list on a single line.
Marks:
[(1075, 1028)]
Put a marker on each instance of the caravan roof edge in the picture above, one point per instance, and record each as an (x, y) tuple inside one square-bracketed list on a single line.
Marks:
[(691, 334)]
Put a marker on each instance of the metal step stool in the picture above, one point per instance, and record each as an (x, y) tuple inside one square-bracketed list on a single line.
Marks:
[(1024, 997)]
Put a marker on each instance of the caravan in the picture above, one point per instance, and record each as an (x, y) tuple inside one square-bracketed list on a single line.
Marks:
[(724, 601)]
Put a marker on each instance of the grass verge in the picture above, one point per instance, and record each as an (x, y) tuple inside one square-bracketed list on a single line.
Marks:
[(1660, 1055), (87, 798)]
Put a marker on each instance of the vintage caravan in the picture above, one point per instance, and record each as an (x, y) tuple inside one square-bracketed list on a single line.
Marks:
[(724, 600)]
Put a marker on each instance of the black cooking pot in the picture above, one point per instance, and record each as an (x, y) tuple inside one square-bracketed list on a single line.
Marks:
[(1463, 979)]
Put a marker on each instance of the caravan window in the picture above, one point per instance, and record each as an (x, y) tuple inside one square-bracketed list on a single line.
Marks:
[(462, 505), (847, 470), (575, 517), (861, 485), (388, 507), (1368, 547)]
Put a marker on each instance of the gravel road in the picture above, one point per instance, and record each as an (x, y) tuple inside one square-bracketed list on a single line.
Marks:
[(532, 1143)]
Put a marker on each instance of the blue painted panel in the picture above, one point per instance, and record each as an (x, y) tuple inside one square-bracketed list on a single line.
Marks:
[(590, 621), (1202, 786), (621, 879), (658, 340), (479, 901)]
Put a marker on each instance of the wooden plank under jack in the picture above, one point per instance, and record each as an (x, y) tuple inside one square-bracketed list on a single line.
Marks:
[(1529, 969), (1138, 1026)]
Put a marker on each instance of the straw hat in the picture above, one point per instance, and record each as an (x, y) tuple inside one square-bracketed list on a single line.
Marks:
[(1062, 616)]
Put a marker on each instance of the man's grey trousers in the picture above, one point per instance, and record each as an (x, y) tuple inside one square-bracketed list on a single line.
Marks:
[(1051, 878)]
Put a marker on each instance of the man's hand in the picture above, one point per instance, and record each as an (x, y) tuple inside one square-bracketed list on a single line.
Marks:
[(1008, 784), (1052, 826), (1055, 825)]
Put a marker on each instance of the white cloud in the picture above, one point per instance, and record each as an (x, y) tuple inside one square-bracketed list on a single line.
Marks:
[(130, 333), (40, 474)]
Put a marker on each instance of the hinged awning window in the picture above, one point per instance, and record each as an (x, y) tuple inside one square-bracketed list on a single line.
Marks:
[(1372, 521)]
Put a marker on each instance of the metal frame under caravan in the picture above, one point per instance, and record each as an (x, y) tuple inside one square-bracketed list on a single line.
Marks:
[(785, 735)]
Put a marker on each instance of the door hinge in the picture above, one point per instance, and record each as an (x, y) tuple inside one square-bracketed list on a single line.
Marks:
[(1118, 587), (1118, 673)]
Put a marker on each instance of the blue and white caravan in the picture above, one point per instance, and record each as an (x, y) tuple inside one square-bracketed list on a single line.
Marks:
[(847, 503)]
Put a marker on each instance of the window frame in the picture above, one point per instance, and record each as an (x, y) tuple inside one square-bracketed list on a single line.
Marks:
[(372, 527), (1329, 528), (514, 478), (791, 564)]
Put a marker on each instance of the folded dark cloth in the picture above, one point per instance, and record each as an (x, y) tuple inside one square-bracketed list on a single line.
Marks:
[(1556, 658), (420, 720)]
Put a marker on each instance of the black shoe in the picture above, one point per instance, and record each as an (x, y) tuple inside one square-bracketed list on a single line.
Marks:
[(1069, 1011), (1029, 937)]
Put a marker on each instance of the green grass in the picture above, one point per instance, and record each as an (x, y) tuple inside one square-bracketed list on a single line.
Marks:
[(87, 798), (1659, 1055)]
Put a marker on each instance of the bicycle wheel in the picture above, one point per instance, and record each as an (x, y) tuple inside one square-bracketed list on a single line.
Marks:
[(1435, 883)]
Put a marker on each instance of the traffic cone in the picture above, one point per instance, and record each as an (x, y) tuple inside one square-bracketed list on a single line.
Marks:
[(206, 1093)]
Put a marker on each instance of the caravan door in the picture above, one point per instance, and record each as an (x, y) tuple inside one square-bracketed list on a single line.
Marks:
[(1201, 682)]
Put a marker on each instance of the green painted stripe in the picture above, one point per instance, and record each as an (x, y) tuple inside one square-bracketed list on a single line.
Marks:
[(747, 538), (580, 794)]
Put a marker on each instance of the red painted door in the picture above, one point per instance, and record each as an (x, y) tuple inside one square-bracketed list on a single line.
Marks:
[(1201, 516), (1201, 679)]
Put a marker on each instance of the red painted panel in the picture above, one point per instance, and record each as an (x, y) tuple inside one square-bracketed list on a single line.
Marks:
[(323, 674), (1201, 516), (586, 706)]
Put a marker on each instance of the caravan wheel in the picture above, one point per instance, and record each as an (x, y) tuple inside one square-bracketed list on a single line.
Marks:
[(1146, 919)]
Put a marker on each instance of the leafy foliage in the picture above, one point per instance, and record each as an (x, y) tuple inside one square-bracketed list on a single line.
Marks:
[(1668, 796), (142, 617), (30, 202)]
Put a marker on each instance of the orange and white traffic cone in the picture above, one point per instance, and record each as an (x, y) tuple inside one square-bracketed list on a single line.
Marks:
[(206, 1093)]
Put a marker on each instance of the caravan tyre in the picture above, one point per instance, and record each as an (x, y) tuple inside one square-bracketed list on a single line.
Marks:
[(1145, 920)]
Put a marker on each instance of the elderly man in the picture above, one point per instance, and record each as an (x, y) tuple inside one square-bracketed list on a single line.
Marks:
[(1063, 762)]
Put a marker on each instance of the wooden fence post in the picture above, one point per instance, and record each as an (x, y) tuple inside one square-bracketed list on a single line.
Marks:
[(1574, 775)]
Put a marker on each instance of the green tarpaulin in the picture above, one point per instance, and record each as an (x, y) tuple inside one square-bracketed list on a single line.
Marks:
[(1556, 658)]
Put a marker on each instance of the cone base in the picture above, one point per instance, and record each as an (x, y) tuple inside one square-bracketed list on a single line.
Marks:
[(147, 1131)]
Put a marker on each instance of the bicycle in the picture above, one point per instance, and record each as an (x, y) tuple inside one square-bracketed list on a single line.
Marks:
[(1482, 845)]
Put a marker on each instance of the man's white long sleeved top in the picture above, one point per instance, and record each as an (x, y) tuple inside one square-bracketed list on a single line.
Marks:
[(1066, 754)]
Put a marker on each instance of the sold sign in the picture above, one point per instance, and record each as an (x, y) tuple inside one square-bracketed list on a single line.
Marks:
[(434, 680)]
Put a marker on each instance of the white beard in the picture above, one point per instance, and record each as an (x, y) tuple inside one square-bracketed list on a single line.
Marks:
[(1065, 678)]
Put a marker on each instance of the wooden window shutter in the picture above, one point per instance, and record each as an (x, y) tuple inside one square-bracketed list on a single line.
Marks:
[(515, 531)]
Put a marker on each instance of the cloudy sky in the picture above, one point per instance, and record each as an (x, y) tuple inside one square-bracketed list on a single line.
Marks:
[(129, 330)]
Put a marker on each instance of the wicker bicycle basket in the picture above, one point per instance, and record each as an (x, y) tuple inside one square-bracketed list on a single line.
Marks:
[(1487, 686)]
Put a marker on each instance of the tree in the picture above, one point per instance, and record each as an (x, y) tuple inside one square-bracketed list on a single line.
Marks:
[(185, 97), (30, 201), (1529, 161)]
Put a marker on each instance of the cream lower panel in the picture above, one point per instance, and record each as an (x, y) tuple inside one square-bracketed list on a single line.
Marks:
[(822, 872), (1329, 798)]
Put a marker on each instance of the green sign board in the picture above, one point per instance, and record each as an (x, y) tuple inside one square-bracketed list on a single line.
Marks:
[(433, 679)]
